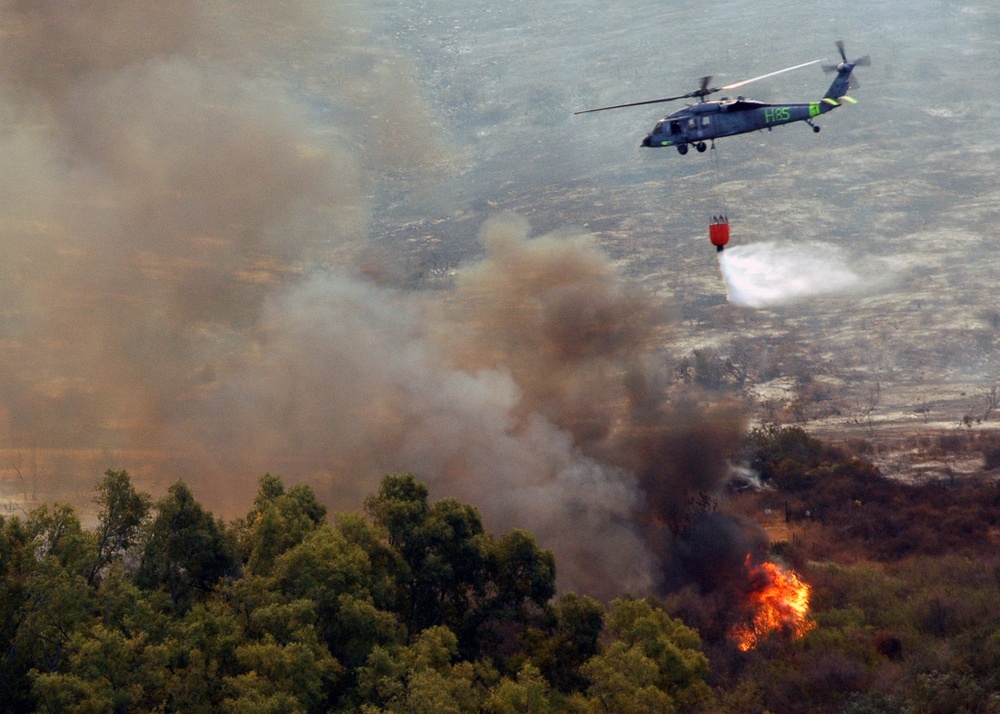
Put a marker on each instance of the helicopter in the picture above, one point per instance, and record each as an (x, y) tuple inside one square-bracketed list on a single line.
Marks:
[(709, 120)]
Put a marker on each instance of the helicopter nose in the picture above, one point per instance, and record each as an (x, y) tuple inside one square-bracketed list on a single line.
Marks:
[(645, 142)]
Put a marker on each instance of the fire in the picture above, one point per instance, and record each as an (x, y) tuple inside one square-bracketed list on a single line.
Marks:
[(778, 600)]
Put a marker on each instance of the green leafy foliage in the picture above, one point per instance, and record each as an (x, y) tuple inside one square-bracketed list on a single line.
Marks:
[(446, 571), (528, 693), (421, 677), (411, 606), (277, 522), (568, 636), (655, 662), (186, 552), (123, 511), (412, 609)]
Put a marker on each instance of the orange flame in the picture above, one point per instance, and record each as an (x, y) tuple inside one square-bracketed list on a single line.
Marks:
[(778, 600)]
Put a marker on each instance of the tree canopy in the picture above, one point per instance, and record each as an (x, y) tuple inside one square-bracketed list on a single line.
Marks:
[(409, 606), (412, 605)]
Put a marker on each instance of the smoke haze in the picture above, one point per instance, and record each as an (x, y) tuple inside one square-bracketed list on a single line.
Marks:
[(198, 193), (532, 392), (155, 198), (161, 184), (180, 298)]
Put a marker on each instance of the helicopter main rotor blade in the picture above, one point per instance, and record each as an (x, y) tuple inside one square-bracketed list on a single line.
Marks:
[(765, 76), (689, 95), (703, 91), (631, 104)]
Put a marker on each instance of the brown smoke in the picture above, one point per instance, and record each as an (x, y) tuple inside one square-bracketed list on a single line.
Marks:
[(557, 315), (161, 183), (521, 393), (166, 207), (582, 344)]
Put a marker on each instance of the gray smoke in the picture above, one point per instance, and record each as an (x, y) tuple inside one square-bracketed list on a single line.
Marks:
[(160, 183), (533, 392), (178, 298)]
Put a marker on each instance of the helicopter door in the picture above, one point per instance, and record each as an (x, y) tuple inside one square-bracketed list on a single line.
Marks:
[(699, 127)]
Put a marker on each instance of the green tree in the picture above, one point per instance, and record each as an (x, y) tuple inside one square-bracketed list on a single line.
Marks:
[(81, 663), (447, 571), (101, 673), (44, 597), (339, 578), (784, 455), (57, 534), (188, 666), (296, 673), (529, 693), (626, 681), (187, 551), (17, 569), (282, 658), (122, 512), (439, 561), (566, 639), (419, 678), (516, 583), (278, 521), (654, 663)]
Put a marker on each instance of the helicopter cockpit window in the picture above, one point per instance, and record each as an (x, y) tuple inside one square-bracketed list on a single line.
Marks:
[(692, 124), (658, 129)]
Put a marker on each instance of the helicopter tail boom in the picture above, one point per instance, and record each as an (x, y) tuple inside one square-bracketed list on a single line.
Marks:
[(841, 84)]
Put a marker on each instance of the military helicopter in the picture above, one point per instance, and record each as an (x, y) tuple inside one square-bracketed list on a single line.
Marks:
[(707, 121)]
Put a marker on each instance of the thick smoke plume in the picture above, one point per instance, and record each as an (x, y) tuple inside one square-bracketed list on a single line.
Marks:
[(534, 391), (178, 299), (160, 183)]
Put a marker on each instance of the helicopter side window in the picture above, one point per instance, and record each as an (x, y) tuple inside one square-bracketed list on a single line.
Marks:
[(675, 127), (692, 124), (706, 122)]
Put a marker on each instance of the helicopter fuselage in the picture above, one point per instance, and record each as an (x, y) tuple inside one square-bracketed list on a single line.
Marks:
[(705, 121)]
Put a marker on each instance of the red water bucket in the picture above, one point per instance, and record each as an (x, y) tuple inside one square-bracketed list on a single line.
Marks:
[(718, 233)]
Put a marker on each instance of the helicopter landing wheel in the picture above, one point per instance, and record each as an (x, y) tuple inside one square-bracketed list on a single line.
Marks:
[(701, 146), (815, 129), (682, 149)]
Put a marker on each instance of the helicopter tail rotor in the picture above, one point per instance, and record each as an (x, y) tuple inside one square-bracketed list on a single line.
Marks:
[(848, 66), (865, 61)]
